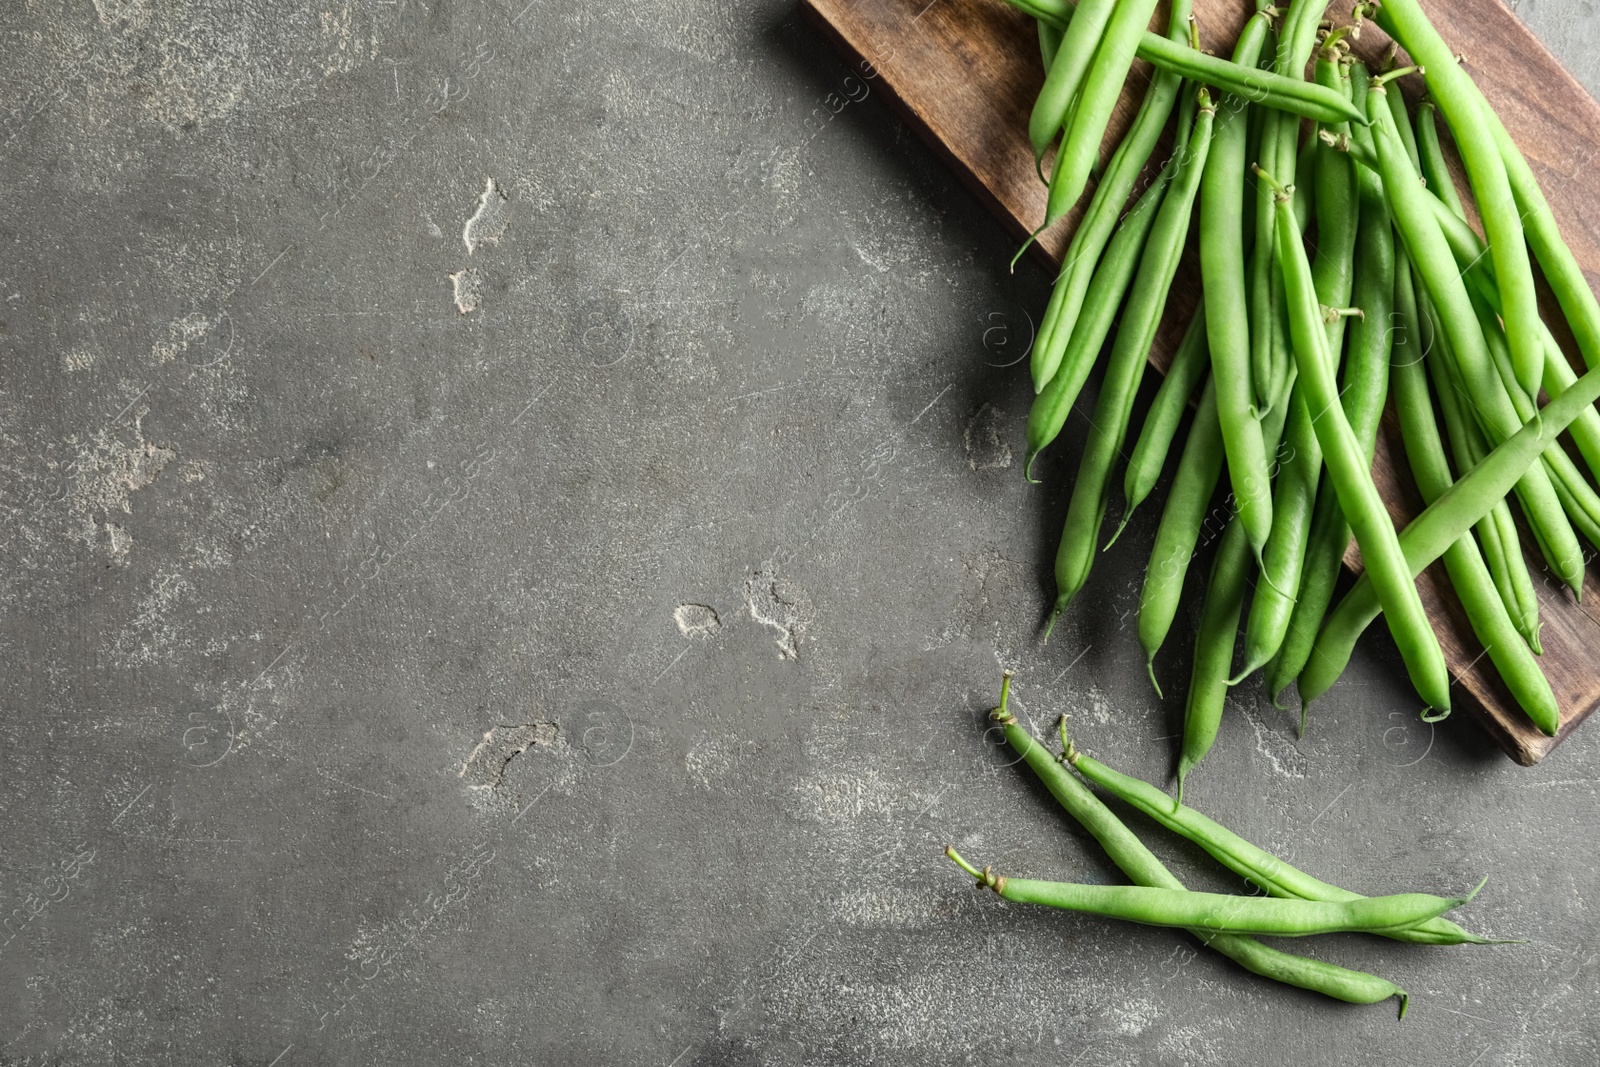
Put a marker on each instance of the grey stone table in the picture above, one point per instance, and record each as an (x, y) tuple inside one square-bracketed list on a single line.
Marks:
[(511, 524)]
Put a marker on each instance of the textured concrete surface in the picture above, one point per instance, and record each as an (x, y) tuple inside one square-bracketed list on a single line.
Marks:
[(511, 522)]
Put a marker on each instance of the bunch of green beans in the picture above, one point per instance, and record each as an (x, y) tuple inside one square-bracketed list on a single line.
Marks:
[(1335, 257), (1297, 905)]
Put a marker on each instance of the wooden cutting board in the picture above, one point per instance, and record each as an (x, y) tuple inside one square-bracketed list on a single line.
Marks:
[(964, 73)]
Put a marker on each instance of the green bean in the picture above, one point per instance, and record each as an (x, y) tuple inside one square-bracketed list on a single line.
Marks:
[(1441, 524), (1366, 384), (1222, 272), (1472, 258), (1199, 467), (1358, 497), (1455, 93), (1125, 367), (1111, 280), (1240, 856), (1219, 626), (1213, 649), (1078, 44), (1079, 265), (1560, 266), (1218, 912), (1431, 258), (1469, 576), (1269, 347), (1578, 500), (1294, 96), (1112, 60), (1049, 43), (1434, 168), (1189, 364), (1142, 868), (1338, 216), (1502, 545)]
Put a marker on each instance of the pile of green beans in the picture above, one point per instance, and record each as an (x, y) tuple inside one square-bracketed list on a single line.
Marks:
[(1310, 188), (1296, 904)]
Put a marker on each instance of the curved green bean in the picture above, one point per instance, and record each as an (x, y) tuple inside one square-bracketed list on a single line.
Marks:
[(1113, 59), (1111, 280), (1435, 266), (1441, 524), (1243, 858), (1222, 273), (1143, 868)]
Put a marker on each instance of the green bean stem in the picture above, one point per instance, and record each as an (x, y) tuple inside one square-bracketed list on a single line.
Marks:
[(1143, 868), (1358, 496), (1243, 858), (1125, 367)]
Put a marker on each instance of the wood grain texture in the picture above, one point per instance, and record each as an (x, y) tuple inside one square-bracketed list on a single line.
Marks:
[(963, 74)]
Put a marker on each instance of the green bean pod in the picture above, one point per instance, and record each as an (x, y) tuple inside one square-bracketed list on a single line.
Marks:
[(1076, 47), (1497, 531), (1049, 43), (1485, 609), (1243, 858), (1366, 385), (1219, 626), (1472, 258), (1435, 266), (1182, 520), (1457, 97), (1125, 367), (1560, 266), (1295, 95), (1222, 273), (1431, 155), (1082, 258), (1578, 499), (1113, 59), (1189, 365), (1220, 912), (1339, 214), (1347, 466), (1143, 868), (1441, 524), (1111, 280)]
